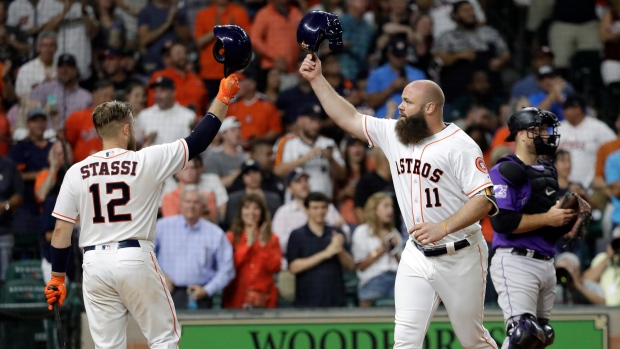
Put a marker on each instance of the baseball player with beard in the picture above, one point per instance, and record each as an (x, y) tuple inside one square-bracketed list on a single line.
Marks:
[(443, 190)]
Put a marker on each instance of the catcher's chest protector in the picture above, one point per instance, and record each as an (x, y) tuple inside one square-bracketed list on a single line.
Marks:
[(544, 186)]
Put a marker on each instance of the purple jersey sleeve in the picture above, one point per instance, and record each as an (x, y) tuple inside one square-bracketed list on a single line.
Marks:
[(507, 196)]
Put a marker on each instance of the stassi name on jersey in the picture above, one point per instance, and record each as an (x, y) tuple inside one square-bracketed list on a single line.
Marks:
[(109, 169), (405, 166)]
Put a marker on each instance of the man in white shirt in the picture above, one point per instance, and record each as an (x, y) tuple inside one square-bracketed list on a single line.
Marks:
[(292, 216), (40, 69), (318, 155), (166, 120), (76, 26), (582, 135)]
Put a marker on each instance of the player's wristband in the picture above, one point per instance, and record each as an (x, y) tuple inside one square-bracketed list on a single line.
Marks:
[(444, 228), (60, 258)]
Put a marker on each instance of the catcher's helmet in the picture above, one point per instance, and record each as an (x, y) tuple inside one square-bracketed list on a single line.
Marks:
[(317, 26), (237, 48), (530, 118)]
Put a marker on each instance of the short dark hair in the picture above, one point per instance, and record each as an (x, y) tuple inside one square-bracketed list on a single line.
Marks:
[(457, 5), (559, 153), (315, 196), (101, 84)]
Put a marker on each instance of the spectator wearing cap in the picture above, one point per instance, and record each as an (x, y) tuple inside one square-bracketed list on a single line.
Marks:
[(574, 28), (292, 216), (167, 120), (274, 36), (226, 160), (63, 95), (316, 154), (609, 33), (259, 118), (529, 85), (387, 81), (219, 12), (262, 153), (160, 23), (605, 267), (80, 130), (581, 136), (602, 154), (251, 174), (553, 88), (469, 47), (190, 90), (30, 156), (112, 70), (39, 70), (76, 26)]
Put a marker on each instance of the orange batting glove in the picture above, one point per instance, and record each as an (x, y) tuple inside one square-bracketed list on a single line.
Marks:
[(56, 296), (228, 89)]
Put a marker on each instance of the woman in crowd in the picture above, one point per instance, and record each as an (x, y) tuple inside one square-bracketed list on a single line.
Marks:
[(272, 90), (136, 96), (355, 161), (257, 257), (376, 245)]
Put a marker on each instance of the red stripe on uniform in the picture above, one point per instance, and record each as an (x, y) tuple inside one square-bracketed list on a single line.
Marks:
[(167, 298)]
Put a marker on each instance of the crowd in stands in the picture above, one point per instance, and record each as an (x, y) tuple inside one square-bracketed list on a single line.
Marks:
[(284, 208)]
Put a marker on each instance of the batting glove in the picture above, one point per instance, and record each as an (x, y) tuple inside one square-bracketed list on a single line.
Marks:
[(56, 296), (228, 89)]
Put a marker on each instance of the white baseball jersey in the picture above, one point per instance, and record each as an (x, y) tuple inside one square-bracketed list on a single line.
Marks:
[(115, 192), (435, 178), (582, 142)]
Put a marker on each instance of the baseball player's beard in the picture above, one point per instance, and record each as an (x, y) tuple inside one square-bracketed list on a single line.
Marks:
[(412, 129), (131, 142)]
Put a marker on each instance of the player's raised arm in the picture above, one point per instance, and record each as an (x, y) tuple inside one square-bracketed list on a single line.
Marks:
[(338, 109), (206, 130)]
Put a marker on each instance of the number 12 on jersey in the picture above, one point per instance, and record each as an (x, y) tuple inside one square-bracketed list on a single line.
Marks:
[(98, 217), (429, 203)]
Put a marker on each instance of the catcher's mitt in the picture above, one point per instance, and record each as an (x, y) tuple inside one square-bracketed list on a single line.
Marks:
[(578, 227)]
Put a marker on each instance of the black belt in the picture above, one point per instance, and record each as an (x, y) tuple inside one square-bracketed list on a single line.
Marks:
[(524, 252), (121, 244), (440, 250)]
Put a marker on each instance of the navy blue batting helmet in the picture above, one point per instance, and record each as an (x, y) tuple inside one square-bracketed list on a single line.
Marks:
[(237, 48), (317, 26)]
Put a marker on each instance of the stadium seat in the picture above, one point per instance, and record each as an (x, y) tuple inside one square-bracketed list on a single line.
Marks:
[(25, 269), (26, 245), (24, 323), (385, 302)]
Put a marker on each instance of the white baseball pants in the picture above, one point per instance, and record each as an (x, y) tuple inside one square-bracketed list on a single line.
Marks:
[(118, 282), (459, 280)]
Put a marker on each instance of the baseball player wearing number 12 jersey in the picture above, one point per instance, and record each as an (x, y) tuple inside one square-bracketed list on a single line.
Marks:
[(115, 194), (443, 191)]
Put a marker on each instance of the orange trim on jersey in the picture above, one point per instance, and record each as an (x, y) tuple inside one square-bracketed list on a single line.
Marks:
[(63, 216), (372, 143), (163, 285), (483, 291), (280, 151), (100, 157), (480, 187), (184, 153), (419, 174)]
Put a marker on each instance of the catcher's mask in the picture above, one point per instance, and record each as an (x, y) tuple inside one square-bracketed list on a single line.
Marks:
[(317, 26), (546, 142), (237, 48)]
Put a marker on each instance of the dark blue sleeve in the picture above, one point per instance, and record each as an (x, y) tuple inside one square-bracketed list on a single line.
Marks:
[(293, 251), (143, 17), (202, 135)]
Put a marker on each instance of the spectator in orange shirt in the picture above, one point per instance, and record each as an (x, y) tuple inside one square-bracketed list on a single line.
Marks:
[(257, 257), (190, 175), (220, 12), (5, 134), (79, 128), (274, 36), (602, 153), (259, 118), (190, 90), (49, 179)]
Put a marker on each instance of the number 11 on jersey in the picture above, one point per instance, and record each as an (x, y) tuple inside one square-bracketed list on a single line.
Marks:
[(429, 203)]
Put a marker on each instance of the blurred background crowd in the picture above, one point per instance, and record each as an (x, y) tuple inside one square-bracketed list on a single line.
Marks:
[(237, 226)]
